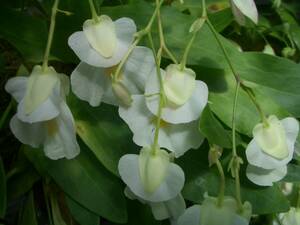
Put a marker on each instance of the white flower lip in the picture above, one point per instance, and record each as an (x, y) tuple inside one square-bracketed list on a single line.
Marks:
[(94, 85), (188, 112), (101, 35), (124, 29), (177, 138), (178, 85), (272, 138), (169, 188)]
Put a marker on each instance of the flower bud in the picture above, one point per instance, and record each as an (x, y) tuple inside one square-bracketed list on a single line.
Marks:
[(101, 35), (178, 85), (197, 25), (39, 87), (271, 138), (153, 167), (122, 93), (292, 217)]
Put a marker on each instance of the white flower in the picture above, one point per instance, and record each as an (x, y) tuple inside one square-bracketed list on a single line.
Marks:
[(271, 149), (94, 84), (49, 121), (292, 217), (151, 176), (170, 209), (241, 8), (177, 138), (186, 97), (103, 43), (209, 213)]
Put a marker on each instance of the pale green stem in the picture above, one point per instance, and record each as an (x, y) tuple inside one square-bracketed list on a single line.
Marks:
[(234, 152), (189, 45), (50, 35), (222, 185), (93, 11), (237, 77), (139, 37)]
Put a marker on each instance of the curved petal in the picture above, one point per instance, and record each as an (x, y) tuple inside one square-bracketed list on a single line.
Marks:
[(179, 138), (136, 70), (257, 157), (191, 216), (48, 110), (248, 8), (265, 177), (170, 209), (238, 220), (188, 112), (29, 134), (125, 29), (89, 83), (138, 118), (16, 86), (169, 188), (61, 136)]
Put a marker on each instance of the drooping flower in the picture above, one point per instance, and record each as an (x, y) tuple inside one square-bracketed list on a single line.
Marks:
[(95, 84), (185, 96), (46, 119), (271, 149), (170, 209), (209, 213), (104, 42), (242, 8), (292, 217), (151, 176), (177, 138)]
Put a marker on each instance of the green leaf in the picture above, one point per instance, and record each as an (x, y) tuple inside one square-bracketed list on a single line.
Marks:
[(103, 132), (81, 214), (293, 174), (213, 130), (27, 34), (201, 179), (86, 181), (28, 215), (2, 190)]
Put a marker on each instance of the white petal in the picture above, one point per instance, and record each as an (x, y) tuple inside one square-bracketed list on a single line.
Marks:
[(137, 69), (125, 29), (238, 220), (39, 87), (265, 177), (292, 217), (170, 209), (61, 136), (179, 138), (139, 119), (191, 216), (248, 8), (190, 111), (16, 86), (89, 83), (29, 134), (170, 187), (101, 35), (238, 15), (257, 157), (48, 110)]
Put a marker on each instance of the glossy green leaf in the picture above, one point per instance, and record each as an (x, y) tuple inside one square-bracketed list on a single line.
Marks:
[(213, 130), (103, 132), (3, 197), (27, 34), (85, 180), (28, 214), (81, 214), (200, 179)]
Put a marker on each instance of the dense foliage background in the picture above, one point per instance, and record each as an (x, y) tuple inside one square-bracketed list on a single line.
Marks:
[(88, 188)]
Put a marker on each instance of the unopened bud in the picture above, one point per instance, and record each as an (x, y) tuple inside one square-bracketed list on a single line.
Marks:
[(197, 25), (122, 93)]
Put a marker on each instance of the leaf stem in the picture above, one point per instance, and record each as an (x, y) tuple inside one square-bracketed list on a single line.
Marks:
[(50, 35), (93, 11), (222, 185)]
